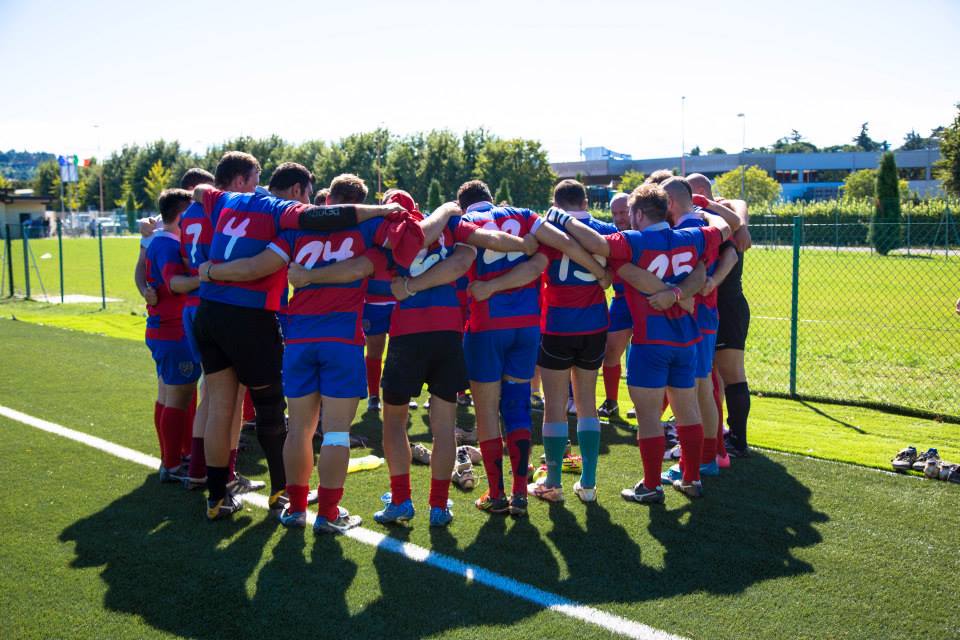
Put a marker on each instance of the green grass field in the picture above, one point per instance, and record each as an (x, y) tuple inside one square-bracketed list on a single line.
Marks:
[(872, 329), (783, 546)]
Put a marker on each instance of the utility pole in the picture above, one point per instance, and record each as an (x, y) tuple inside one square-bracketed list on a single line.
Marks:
[(99, 168), (743, 150), (683, 145)]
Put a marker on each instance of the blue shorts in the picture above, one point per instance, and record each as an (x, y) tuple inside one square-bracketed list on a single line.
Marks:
[(654, 366), (334, 369), (376, 318), (491, 355), (620, 318), (705, 352), (189, 315), (176, 364)]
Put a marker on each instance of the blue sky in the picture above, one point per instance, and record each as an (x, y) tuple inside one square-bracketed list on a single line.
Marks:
[(611, 73)]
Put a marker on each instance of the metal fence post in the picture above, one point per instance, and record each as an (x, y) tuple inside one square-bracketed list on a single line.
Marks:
[(9, 243), (795, 301), (103, 284), (60, 250), (26, 259)]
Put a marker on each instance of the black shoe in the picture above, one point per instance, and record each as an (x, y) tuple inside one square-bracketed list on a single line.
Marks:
[(608, 409), (734, 450)]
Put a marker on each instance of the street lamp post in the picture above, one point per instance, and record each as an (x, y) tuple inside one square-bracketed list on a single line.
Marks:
[(683, 146), (99, 167), (743, 150)]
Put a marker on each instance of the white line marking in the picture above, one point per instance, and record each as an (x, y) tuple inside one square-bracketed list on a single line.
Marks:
[(470, 573)]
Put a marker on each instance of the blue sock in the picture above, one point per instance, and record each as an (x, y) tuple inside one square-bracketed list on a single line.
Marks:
[(588, 435), (555, 436)]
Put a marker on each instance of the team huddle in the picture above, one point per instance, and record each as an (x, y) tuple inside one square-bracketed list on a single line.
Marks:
[(473, 296)]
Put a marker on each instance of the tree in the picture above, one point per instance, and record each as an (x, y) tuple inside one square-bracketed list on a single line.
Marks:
[(794, 143), (695, 151), (157, 179), (863, 141), (948, 167), (885, 226), (760, 188), (862, 185), (130, 205), (631, 180), (46, 182), (434, 197), (524, 163), (4, 183), (503, 192), (913, 141), (716, 151)]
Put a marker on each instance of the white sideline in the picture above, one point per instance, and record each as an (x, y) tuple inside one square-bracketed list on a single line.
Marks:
[(471, 573)]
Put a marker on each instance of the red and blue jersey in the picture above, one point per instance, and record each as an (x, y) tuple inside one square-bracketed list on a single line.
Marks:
[(437, 308), (573, 302), (330, 312), (378, 286), (246, 223), (163, 262), (670, 254), (516, 308), (707, 317), (196, 232)]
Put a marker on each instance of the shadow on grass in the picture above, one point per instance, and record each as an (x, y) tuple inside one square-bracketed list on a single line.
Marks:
[(821, 412)]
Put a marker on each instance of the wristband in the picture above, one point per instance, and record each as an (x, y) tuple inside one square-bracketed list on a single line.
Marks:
[(700, 201), (676, 291), (407, 289), (558, 217)]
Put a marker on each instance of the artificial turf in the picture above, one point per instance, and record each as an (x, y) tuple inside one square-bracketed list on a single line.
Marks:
[(781, 546)]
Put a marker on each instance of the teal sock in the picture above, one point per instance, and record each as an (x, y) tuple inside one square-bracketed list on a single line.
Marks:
[(554, 444), (588, 435)]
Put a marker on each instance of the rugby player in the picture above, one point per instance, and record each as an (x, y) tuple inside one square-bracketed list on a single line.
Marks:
[(618, 333)]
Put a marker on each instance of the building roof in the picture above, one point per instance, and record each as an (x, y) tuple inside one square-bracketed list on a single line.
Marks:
[(7, 196)]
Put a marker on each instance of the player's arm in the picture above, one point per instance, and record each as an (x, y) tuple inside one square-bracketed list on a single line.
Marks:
[(553, 237), (445, 271), (682, 292), (243, 269), (433, 224), (741, 236), (589, 241), (351, 270), (641, 279), (183, 284), (503, 242), (725, 264), (337, 217), (140, 279), (718, 222), (520, 275), (729, 215)]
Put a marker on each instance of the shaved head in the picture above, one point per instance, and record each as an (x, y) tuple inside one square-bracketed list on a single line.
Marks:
[(700, 185), (680, 194), (659, 176)]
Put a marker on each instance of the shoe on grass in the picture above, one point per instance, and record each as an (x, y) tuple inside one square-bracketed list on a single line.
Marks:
[(171, 475), (671, 475), (224, 508), (586, 494), (948, 471), (710, 470), (403, 512), (277, 504), (293, 519), (643, 495), (921, 462), (672, 452), (518, 506), (373, 403), (462, 475), (474, 454), (632, 413), (692, 489), (540, 489), (440, 517), (419, 453), (492, 505), (904, 459), (723, 461), (608, 409), (240, 485), (342, 524)]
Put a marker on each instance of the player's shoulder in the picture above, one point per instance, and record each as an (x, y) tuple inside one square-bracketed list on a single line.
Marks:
[(601, 227)]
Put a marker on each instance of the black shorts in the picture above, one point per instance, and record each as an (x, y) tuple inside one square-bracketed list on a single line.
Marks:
[(734, 322), (434, 358), (242, 338), (562, 352)]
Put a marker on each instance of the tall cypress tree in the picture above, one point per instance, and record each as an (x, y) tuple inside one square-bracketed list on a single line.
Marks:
[(503, 192), (434, 197), (885, 226)]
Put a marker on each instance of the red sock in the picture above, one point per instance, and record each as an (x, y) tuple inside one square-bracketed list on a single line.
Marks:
[(651, 453), (232, 465), (327, 502), (611, 382), (691, 446), (400, 488), (439, 492), (157, 412), (718, 399), (198, 459), (374, 369), (186, 444), (172, 423), (709, 453), (298, 497), (249, 414), (492, 452), (518, 444)]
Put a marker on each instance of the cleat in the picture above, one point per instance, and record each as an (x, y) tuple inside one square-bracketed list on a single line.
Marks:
[(474, 454), (518, 506), (541, 490), (923, 458), (277, 503), (632, 413), (643, 495), (440, 517), (710, 470), (462, 475), (692, 489), (192, 484), (536, 401), (492, 505), (723, 461), (672, 452), (312, 496), (464, 399), (402, 512), (240, 485), (584, 493), (671, 475), (904, 459), (373, 403), (420, 454), (173, 474), (342, 524), (954, 475), (465, 436), (293, 519), (217, 510), (608, 409), (948, 471), (412, 404)]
